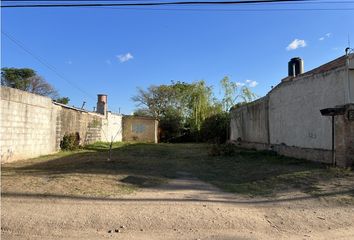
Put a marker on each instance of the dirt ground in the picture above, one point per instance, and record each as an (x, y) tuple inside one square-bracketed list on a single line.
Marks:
[(183, 208)]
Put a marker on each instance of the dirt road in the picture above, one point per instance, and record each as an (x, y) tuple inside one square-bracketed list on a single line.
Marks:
[(185, 208)]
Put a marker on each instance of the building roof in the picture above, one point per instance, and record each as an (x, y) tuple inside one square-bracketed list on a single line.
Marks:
[(336, 63)]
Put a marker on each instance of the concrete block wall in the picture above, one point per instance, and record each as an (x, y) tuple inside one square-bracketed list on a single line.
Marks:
[(28, 125), (87, 124), (33, 125)]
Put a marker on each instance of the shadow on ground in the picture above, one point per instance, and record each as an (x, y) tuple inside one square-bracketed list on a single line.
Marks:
[(249, 172)]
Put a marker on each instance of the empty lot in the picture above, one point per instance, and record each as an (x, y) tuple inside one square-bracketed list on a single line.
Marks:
[(174, 191)]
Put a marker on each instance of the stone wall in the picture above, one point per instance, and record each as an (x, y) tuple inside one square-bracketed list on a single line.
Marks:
[(142, 129)]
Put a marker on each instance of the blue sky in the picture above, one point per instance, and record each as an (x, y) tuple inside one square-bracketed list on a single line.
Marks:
[(114, 51)]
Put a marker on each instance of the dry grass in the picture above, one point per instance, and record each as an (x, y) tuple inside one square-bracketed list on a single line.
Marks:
[(88, 173)]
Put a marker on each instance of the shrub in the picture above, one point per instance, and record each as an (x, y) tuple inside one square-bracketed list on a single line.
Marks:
[(70, 141), (215, 129)]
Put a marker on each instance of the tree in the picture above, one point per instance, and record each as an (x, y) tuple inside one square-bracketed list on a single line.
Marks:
[(234, 92), (63, 100), (155, 99), (215, 129), (200, 103), (142, 112), (182, 108), (16, 77), (26, 79)]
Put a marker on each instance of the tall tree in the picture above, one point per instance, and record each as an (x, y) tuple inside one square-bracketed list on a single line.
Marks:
[(235, 93), (200, 104), (26, 79)]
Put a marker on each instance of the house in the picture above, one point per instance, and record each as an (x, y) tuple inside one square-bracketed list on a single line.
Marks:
[(289, 119)]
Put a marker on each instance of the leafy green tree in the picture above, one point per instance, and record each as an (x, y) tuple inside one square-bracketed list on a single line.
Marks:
[(200, 104), (234, 93), (155, 99), (182, 108), (26, 79), (171, 125), (142, 112), (63, 100), (17, 77)]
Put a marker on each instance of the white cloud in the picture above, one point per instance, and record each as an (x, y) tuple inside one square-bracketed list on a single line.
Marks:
[(327, 35), (251, 83), (240, 84), (125, 57), (297, 43)]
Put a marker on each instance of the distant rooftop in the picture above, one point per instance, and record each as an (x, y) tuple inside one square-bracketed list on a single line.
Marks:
[(336, 63)]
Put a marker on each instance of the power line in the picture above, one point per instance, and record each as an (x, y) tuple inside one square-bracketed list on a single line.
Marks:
[(150, 3), (125, 6), (137, 1), (233, 10), (45, 63)]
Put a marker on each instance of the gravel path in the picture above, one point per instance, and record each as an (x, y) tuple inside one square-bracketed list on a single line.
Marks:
[(185, 208)]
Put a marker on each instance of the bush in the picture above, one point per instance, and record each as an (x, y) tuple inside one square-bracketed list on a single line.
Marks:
[(215, 129), (70, 142), (171, 126)]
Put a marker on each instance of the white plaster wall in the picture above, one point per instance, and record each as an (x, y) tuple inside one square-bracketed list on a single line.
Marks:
[(250, 122), (294, 109), (113, 128), (351, 85)]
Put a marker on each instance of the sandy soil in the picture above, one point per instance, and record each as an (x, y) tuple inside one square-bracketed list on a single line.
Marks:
[(185, 208)]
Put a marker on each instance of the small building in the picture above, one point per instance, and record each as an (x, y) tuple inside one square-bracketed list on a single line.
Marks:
[(141, 129), (288, 119)]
